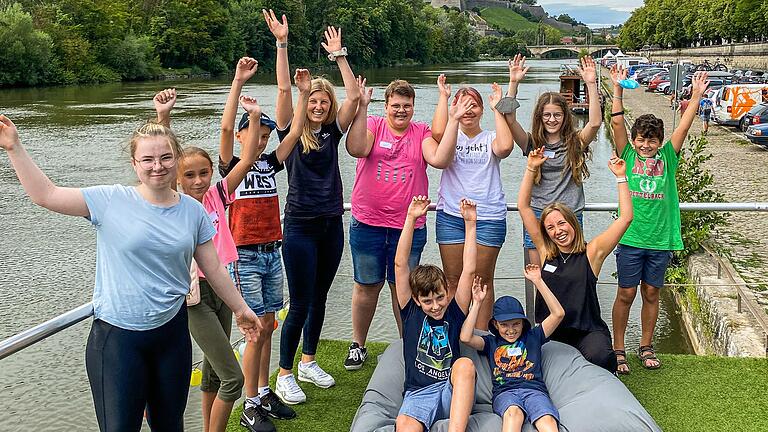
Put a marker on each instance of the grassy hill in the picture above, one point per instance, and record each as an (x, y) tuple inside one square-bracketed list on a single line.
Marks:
[(507, 19)]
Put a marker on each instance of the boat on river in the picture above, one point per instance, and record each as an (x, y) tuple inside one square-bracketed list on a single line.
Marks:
[(574, 89)]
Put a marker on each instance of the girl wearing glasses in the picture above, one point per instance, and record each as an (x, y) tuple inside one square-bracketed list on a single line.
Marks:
[(139, 354), (561, 178)]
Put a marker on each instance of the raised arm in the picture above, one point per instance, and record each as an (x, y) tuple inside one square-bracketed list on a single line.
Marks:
[(618, 126), (517, 71), (589, 75), (536, 159), (440, 118), (503, 145), (699, 85), (218, 277), (467, 334), (440, 155), (284, 109), (36, 184), (359, 140), (416, 209), (468, 210), (252, 147), (347, 110), (164, 101), (602, 245), (303, 83), (244, 70), (556, 311)]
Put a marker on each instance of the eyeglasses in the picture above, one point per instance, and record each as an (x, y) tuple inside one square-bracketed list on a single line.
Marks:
[(148, 163), (547, 115), (406, 108)]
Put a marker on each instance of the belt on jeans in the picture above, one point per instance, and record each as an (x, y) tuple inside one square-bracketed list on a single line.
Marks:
[(264, 247)]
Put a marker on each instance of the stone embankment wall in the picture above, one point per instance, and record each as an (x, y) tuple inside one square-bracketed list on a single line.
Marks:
[(736, 56)]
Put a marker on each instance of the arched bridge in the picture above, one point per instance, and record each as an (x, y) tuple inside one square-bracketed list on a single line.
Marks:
[(539, 50)]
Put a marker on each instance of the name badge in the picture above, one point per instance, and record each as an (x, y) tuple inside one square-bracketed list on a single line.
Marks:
[(514, 351), (549, 154), (384, 144), (549, 268)]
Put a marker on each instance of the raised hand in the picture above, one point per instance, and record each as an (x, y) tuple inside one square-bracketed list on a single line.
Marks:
[(365, 92), (532, 272), (245, 69), (9, 136), (251, 105), (479, 290), (618, 73), (418, 207), (303, 80), (699, 83), (495, 95), (468, 209), (617, 166), (164, 100), (517, 68), (587, 70), (332, 39), (536, 158), (443, 87), (461, 106), (278, 29)]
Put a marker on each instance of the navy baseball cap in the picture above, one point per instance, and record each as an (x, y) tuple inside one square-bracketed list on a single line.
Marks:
[(265, 120), (508, 308)]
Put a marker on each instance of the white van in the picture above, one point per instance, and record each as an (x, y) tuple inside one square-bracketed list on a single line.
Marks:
[(735, 100)]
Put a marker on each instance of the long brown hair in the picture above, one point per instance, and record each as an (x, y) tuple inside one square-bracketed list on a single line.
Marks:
[(308, 137), (577, 153), (550, 248)]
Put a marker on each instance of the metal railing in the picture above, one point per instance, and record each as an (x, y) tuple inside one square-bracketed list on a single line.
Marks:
[(35, 334)]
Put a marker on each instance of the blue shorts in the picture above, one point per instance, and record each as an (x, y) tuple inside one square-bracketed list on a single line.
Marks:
[(534, 403), (637, 264), (373, 251), (528, 243), (259, 277), (450, 230), (428, 404)]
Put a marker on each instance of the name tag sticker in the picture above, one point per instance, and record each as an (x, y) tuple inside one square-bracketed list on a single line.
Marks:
[(550, 268), (549, 154), (514, 351), (386, 145)]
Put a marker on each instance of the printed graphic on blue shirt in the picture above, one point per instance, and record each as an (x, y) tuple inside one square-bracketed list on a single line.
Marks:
[(434, 355), (516, 364)]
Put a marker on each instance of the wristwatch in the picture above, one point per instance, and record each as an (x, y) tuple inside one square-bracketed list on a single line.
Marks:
[(281, 44), (340, 53), (507, 105)]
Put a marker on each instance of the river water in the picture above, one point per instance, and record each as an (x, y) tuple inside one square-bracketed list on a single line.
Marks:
[(77, 136)]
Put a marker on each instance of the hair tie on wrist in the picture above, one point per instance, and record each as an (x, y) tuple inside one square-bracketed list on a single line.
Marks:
[(617, 113)]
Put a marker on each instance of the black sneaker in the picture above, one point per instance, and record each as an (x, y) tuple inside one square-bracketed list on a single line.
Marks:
[(356, 357), (275, 408), (255, 419)]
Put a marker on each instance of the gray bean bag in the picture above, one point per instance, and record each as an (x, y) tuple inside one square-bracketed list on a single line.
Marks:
[(587, 396)]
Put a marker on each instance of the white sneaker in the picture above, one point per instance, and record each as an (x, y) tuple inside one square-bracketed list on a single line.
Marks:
[(312, 373), (289, 391)]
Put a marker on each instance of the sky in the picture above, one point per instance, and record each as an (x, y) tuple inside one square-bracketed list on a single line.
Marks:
[(594, 13)]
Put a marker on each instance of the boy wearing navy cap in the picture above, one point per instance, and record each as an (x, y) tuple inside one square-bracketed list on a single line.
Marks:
[(514, 353)]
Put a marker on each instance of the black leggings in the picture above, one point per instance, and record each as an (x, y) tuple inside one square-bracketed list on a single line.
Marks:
[(596, 346), (133, 370), (312, 251)]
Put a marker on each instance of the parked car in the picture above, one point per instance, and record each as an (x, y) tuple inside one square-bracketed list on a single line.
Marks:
[(659, 78), (758, 134), (757, 115), (644, 76), (665, 87), (734, 101)]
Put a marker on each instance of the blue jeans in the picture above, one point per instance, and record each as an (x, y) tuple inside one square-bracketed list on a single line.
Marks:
[(638, 264), (259, 277), (312, 251), (535, 404), (428, 404), (450, 230), (373, 251)]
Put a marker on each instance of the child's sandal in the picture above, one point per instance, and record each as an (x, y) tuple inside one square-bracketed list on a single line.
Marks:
[(647, 354), (621, 362)]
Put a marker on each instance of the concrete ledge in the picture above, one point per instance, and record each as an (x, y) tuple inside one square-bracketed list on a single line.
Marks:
[(710, 313)]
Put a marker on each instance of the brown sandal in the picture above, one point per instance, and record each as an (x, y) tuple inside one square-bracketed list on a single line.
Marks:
[(621, 362), (647, 354)]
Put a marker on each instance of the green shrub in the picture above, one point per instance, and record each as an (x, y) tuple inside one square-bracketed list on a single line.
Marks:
[(24, 51)]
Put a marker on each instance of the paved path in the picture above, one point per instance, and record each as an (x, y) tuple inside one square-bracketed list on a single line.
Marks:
[(740, 170)]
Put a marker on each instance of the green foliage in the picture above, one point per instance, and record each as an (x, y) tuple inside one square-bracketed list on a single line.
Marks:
[(25, 53), (507, 19), (505, 46), (569, 20)]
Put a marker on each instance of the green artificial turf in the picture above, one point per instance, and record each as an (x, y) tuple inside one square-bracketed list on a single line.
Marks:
[(688, 394), (506, 19)]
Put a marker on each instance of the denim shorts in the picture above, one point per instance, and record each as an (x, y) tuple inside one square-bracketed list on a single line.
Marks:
[(259, 277), (534, 403), (637, 264), (450, 230), (373, 251), (528, 243), (428, 404)]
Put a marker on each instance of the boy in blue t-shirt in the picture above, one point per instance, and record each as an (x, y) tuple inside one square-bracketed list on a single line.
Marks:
[(438, 383), (514, 353)]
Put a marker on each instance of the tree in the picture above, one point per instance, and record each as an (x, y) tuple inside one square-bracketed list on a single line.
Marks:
[(25, 53)]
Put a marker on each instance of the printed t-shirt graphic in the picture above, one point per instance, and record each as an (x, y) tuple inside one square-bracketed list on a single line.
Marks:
[(434, 352)]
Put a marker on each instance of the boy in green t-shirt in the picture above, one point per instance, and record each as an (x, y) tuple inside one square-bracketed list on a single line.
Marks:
[(645, 250)]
